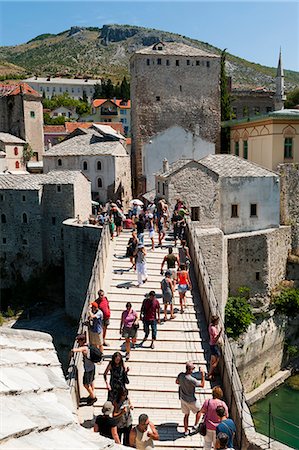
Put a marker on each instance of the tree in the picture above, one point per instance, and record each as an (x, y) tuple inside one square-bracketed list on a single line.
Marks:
[(238, 314), (287, 302), (97, 91), (292, 99), (27, 153), (226, 111), (84, 98), (109, 88), (125, 90)]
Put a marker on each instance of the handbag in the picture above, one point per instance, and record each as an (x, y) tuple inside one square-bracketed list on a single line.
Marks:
[(203, 426), (135, 326)]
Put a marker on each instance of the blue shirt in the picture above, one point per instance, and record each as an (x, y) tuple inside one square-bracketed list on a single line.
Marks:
[(97, 322), (228, 427)]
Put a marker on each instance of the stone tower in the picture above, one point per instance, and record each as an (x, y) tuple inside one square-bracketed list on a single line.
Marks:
[(175, 92), (279, 97)]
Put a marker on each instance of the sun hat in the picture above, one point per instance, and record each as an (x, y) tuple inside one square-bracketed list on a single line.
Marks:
[(95, 305)]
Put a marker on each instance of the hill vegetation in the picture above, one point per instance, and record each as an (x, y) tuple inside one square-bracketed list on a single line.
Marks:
[(105, 53)]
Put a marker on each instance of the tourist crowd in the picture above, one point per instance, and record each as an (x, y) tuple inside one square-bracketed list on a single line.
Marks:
[(212, 417)]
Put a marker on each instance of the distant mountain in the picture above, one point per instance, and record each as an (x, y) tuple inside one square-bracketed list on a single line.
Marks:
[(105, 52)]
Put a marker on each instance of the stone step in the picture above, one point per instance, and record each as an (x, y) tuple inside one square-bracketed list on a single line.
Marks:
[(155, 368), (153, 356), (138, 294), (169, 325), (163, 334), (160, 346), (117, 307)]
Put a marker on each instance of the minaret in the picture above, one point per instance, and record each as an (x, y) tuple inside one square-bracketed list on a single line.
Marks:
[(279, 97)]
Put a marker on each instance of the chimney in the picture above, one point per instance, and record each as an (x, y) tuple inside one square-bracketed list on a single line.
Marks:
[(49, 144), (165, 165)]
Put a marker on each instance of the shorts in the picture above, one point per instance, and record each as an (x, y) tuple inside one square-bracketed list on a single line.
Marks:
[(183, 288), (167, 300), (96, 338), (151, 234), (88, 377), (106, 322), (173, 273), (129, 332), (215, 350), (187, 407)]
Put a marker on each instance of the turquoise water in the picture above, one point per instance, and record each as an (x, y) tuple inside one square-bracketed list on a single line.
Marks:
[(285, 410)]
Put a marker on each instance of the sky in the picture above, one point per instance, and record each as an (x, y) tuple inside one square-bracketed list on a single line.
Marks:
[(254, 30)]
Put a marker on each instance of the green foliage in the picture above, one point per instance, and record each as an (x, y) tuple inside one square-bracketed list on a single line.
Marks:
[(292, 350), (244, 291), (1, 320), (125, 90), (10, 312), (97, 91), (226, 110), (108, 90), (238, 316), (60, 120), (41, 37), (287, 302), (27, 153), (292, 99)]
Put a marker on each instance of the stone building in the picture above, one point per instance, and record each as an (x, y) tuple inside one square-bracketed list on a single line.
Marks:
[(267, 140), (21, 114), (175, 94), (32, 209), (74, 87), (259, 100), (235, 205), (11, 154), (100, 153), (289, 195)]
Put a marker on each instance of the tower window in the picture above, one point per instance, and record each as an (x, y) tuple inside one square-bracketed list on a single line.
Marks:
[(53, 220), (100, 183), (234, 211), (3, 218), (197, 62), (237, 148), (157, 98), (245, 149), (3, 240), (257, 276), (17, 164), (16, 151), (148, 62), (58, 188), (85, 166), (288, 148), (188, 62), (253, 210), (180, 88), (24, 218), (208, 63), (59, 162), (159, 61), (158, 187), (32, 114), (167, 62), (177, 62), (99, 165), (23, 198)]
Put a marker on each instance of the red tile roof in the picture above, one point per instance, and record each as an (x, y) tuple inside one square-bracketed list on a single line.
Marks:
[(54, 129), (17, 88), (120, 103), (71, 126)]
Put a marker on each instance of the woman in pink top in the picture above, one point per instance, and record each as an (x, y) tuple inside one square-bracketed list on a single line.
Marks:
[(214, 333), (211, 418), (128, 327)]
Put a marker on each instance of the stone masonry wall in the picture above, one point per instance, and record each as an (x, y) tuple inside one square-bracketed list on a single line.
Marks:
[(188, 96), (289, 200), (80, 246), (257, 259)]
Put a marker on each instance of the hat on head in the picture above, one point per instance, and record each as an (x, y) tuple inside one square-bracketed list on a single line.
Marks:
[(140, 245), (150, 216), (107, 409), (95, 305), (152, 293), (168, 273)]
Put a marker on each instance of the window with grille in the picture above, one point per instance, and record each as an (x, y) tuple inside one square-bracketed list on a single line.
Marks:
[(288, 148)]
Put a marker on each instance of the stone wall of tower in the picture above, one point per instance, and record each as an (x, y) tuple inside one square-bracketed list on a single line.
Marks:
[(182, 101)]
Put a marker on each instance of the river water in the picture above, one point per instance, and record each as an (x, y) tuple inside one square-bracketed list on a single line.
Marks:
[(285, 415)]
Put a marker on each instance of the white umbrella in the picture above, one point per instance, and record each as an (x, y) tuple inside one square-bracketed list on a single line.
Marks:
[(94, 203), (136, 201)]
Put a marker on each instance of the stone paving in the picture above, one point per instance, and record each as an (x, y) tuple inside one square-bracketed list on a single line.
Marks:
[(152, 374)]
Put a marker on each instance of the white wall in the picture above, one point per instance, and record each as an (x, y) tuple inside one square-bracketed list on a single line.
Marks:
[(173, 144), (243, 191)]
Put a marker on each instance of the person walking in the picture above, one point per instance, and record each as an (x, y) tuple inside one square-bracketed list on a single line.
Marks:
[(150, 314), (176, 221), (144, 434), (184, 283), (89, 368), (168, 286), (132, 249), (189, 403), (161, 229), (96, 326), (141, 267), (140, 225), (211, 418), (171, 260), (184, 255), (226, 426), (105, 424), (117, 218), (151, 229), (128, 327), (222, 442), (122, 412), (215, 334), (118, 376), (103, 305)]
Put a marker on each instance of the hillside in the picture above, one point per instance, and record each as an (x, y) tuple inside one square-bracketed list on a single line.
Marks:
[(105, 52)]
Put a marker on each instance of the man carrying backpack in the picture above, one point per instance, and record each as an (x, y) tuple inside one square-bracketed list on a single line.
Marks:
[(89, 368)]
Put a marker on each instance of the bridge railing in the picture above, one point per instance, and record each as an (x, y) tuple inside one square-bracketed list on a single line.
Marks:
[(75, 369), (247, 437)]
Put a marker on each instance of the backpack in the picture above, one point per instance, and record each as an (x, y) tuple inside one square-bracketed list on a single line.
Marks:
[(95, 355)]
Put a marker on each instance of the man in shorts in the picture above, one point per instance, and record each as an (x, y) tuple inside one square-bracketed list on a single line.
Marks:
[(96, 327), (89, 368), (171, 260), (189, 402)]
